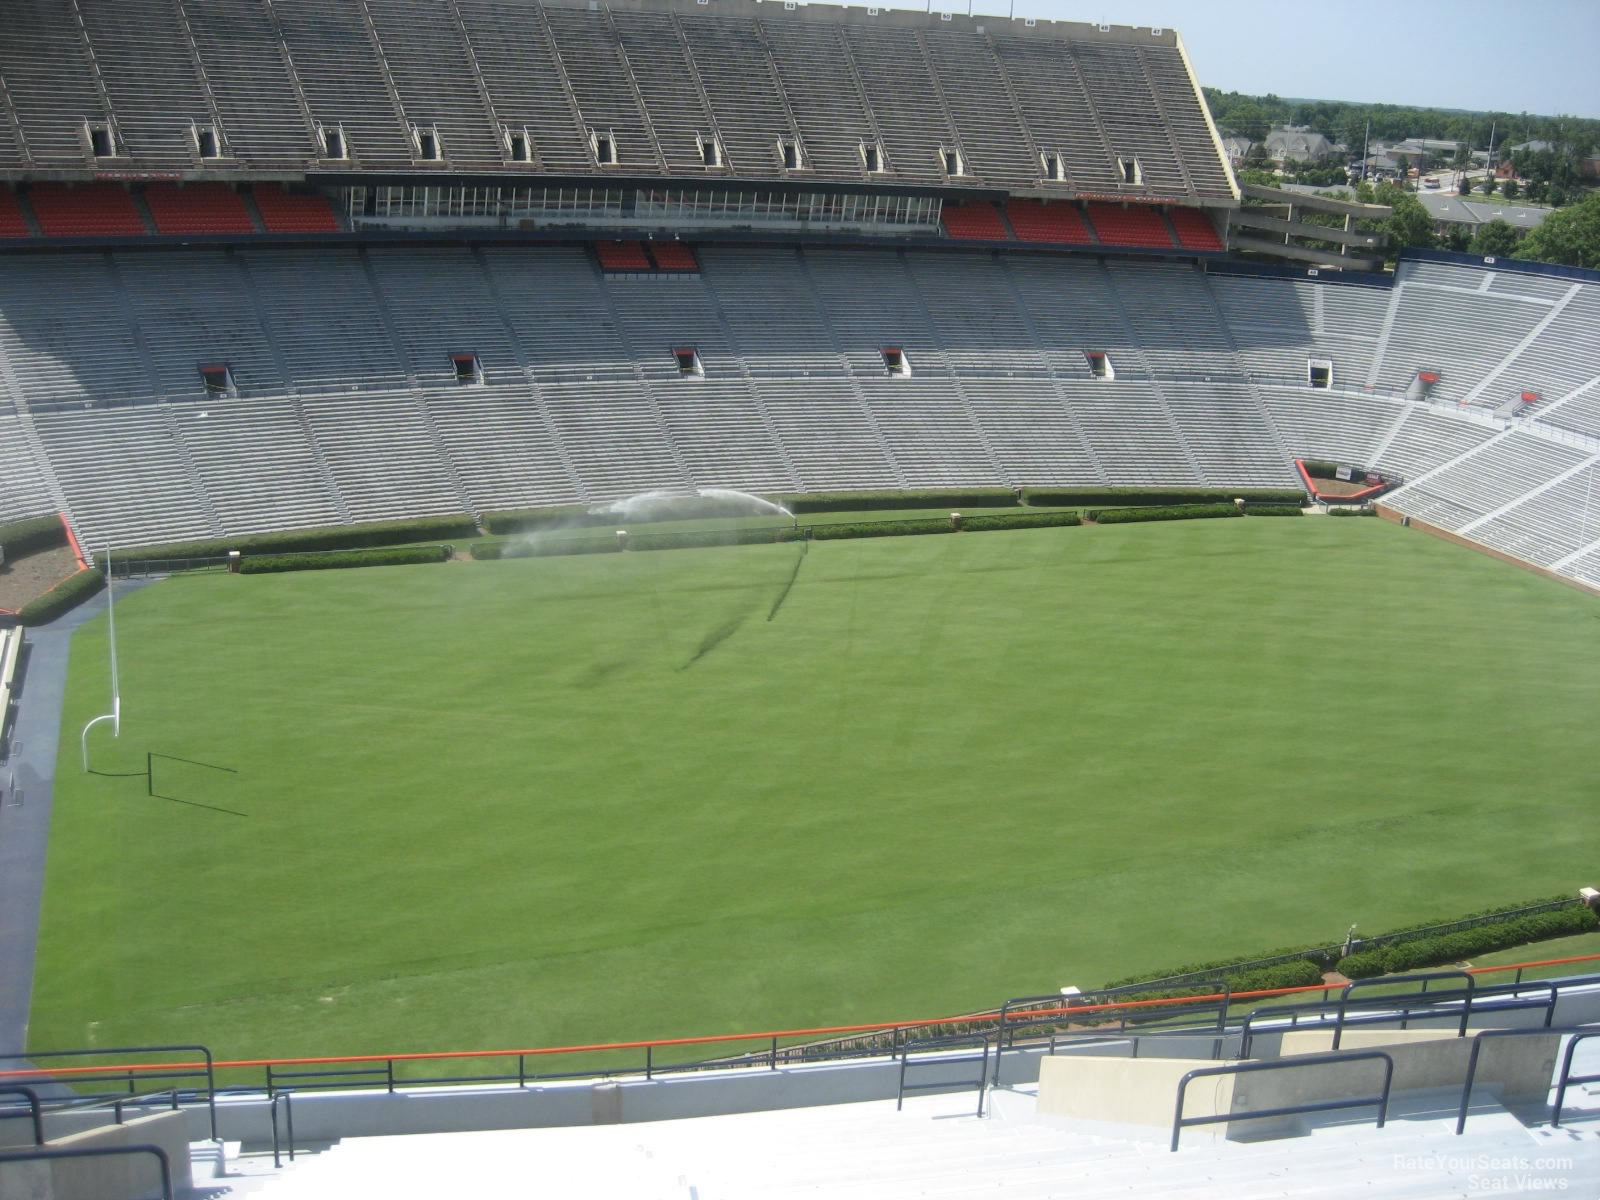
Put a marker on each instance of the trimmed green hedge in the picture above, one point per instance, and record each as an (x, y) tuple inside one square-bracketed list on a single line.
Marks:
[(1303, 972), (1229, 968), (1447, 948), (713, 537), (522, 520), (332, 537), (1273, 510), (1134, 497), (828, 533), (1182, 512), (67, 594), (1351, 510), (932, 498), (1019, 520), (32, 535), (393, 556), (483, 551)]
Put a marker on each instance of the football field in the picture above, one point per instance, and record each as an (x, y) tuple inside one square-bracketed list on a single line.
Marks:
[(563, 800)]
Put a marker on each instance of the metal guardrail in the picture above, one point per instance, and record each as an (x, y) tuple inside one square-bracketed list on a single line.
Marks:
[(1578, 1032), (1356, 985), (138, 1071), (165, 1164), (1567, 1078), (34, 1111), (1404, 1007), (934, 1044), (1181, 1122), (1054, 1009), (288, 1112)]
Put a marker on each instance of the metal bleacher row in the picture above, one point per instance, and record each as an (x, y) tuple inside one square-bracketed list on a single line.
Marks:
[(1032, 104), (345, 400)]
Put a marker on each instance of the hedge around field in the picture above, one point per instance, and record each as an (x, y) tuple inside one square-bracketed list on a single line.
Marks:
[(534, 548), (1352, 510), (526, 520), (68, 594), (1136, 497), (828, 533), (332, 537), (32, 536), (1273, 510), (1181, 512), (393, 556), (1018, 520), (956, 499), (1465, 943), (690, 538)]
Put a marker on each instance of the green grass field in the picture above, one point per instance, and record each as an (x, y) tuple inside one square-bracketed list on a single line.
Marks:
[(568, 800)]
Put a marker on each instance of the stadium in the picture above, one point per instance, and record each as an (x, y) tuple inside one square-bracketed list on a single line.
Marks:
[(817, 641)]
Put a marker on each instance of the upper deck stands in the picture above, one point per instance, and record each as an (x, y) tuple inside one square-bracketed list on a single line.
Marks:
[(824, 93)]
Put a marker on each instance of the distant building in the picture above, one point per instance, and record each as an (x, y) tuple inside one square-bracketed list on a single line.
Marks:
[(1237, 148), (1456, 212), (1298, 144)]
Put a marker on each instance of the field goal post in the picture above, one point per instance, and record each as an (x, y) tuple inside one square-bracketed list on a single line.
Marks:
[(115, 715)]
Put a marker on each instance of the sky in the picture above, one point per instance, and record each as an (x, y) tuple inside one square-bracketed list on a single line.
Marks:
[(1535, 56)]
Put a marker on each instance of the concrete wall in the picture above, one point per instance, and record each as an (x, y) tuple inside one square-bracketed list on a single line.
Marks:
[(124, 1177), (1518, 1070), (1128, 1091)]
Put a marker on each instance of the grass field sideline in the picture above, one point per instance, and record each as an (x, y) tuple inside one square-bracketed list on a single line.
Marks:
[(551, 801)]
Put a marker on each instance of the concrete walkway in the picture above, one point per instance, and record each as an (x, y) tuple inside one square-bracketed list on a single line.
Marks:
[(27, 781)]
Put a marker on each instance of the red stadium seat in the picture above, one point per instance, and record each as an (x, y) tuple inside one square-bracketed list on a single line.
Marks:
[(1040, 221), (295, 212), (673, 256), (1119, 226), (978, 221), (1195, 230), (85, 211), (12, 222), (622, 256), (198, 208)]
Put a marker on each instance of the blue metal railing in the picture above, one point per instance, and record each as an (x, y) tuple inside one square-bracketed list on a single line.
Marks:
[(944, 1043), (162, 1161), (1181, 1122), (34, 1112), (1567, 1078), (1576, 1032)]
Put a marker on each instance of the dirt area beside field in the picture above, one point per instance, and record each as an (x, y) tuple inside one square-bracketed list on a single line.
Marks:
[(33, 575)]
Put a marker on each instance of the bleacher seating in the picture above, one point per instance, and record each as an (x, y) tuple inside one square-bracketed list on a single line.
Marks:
[(1194, 229), (674, 256), (653, 81), (622, 256), (1134, 226), (1487, 479), (12, 222), (978, 221), (294, 212), (85, 211), (343, 359), (197, 208), (1041, 221)]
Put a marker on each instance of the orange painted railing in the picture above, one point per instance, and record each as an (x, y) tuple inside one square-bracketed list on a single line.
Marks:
[(1074, 1010)]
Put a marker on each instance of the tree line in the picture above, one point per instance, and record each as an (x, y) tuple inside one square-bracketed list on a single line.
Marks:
[(1253, 117)]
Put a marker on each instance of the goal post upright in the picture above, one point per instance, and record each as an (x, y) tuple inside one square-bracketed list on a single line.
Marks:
[(115, 715)]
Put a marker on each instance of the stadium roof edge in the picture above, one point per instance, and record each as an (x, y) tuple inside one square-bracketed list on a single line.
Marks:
[(885, 16)]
